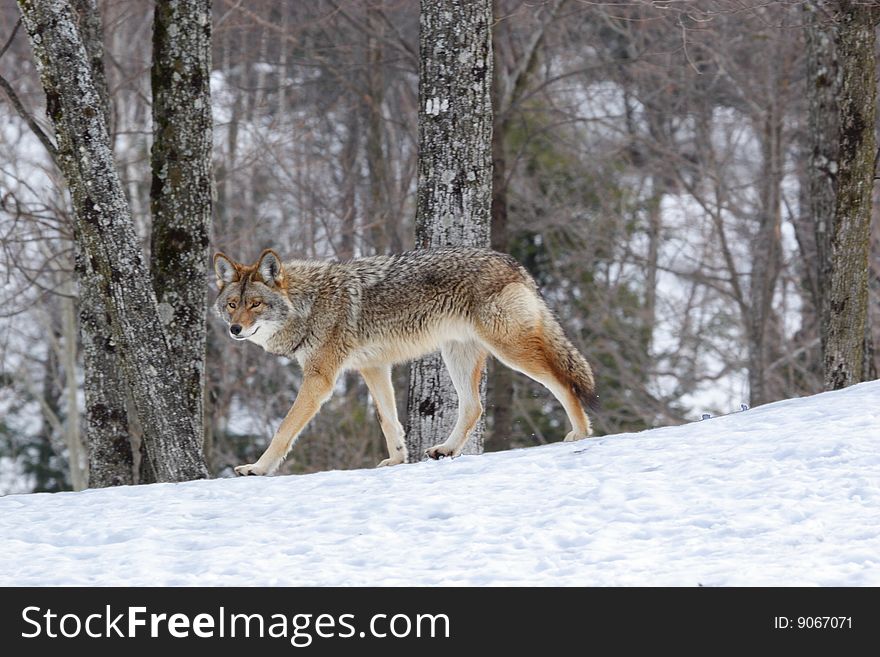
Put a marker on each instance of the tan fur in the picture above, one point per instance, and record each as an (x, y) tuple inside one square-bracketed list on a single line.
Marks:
[(370, 313), (378, 380)]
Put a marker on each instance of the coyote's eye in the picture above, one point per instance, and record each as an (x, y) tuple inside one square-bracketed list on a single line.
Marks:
[(256, 304), (230, 305)]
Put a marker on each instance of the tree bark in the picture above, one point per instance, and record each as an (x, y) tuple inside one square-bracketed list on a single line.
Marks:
[(104, 229), (842, 90), (454, 198), (107, 430), (180, 196), (91, 31), (107, 427)]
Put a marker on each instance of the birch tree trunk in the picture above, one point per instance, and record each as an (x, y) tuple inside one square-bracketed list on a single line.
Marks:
[(104, 229), (180, 195), (107, 429), (454, 198), (842, 91)]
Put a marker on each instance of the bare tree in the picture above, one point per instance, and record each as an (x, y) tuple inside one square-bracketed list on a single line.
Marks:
[(843, 98), (454, 197), (105, 232)]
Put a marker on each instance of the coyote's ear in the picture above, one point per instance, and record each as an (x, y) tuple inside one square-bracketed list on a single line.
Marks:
[(270, 268), (225, 269)]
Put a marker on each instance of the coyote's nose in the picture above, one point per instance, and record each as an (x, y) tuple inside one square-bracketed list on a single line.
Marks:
[(235, 329)]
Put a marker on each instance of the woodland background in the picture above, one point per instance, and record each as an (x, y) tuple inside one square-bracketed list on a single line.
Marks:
[(652, 169)]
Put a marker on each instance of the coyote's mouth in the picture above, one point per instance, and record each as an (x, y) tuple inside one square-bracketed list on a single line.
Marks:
[(245, 337)]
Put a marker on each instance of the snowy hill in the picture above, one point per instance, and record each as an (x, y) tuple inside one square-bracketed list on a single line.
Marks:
[(784, 494)]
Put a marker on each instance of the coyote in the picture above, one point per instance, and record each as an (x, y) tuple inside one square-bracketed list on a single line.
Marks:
[(370, 313)]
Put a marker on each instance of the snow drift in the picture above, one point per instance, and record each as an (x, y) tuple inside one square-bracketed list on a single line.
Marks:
[(783, 494)]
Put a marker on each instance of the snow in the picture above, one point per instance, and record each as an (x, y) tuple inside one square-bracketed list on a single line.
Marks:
[(783, 494)]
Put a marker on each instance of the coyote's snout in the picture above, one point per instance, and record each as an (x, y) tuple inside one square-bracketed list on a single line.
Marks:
[(371, 313)]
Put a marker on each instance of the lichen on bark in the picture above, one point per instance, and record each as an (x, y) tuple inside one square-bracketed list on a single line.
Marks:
[(843, 97), (181, 193)]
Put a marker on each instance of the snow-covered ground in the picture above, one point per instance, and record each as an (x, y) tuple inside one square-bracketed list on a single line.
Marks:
[(784, 494)]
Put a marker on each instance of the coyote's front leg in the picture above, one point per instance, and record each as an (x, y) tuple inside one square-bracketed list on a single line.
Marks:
[(315, 390)]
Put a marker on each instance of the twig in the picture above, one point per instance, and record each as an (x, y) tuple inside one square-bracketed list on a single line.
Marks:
[(11, 38), (29, 119), (684, 46), (19, 107)]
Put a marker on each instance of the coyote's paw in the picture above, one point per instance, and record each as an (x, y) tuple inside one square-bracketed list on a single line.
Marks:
[(441, 450), (397, 460), (574, 435), (251, 469)]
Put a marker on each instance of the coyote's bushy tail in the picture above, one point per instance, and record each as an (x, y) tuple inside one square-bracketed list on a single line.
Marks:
[(568, 363)]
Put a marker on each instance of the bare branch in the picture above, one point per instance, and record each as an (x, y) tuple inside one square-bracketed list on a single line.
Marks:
[(19, 106), (11, 38)]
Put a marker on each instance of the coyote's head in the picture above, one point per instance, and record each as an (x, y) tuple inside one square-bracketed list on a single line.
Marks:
[(253, 298)]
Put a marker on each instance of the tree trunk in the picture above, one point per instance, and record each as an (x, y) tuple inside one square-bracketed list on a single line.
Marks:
[(47, 477), (654, 231), (842, 90), (501, 390), (91, 31), (107, 430), (378, 216), (348, 162), (79, 473), (873, 322), (108, 437), (104, 229), (453, 205), (766, 254), (180, 196)]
